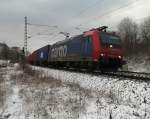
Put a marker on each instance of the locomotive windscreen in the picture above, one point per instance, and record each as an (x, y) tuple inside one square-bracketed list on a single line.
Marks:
[(110, 40)]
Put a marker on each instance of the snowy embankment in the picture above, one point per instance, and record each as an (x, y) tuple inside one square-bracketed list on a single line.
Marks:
[(129, 99), (27, 95), (45, 93), (3, 63), (139, 64)]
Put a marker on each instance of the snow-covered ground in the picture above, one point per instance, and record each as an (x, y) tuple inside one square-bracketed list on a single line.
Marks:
[(125, 99), (139, 64), (44, 93), (4, 62)]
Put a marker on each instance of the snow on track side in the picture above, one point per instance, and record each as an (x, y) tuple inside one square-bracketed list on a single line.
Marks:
[(132, 94)]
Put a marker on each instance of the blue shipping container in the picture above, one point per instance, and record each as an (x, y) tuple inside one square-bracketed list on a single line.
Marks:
[(43, 54)]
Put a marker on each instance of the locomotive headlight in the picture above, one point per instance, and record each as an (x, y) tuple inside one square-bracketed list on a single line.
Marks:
[(110, 46), (102, 54), (119, 57)]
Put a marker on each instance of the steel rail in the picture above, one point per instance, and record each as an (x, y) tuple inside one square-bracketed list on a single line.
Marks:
[(141, 76), (128, 75)]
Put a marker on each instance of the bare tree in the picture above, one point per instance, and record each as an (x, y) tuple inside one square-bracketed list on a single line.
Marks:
[(14, 55), (145, 35), (128, 31), (7, 53), (4, 52)]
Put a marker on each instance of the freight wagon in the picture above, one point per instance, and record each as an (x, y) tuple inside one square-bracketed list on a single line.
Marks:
[(32, 58), (42, 55)]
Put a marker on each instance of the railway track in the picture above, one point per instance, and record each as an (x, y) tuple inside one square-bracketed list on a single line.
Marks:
[(140, 76)]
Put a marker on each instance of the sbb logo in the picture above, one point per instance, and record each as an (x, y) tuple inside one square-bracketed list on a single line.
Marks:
[(59, 52), (41, 55)]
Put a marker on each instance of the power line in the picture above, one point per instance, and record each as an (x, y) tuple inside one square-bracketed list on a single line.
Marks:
[(54, 36), (91, 6), (42, 25), (44, 32), (109, 12)]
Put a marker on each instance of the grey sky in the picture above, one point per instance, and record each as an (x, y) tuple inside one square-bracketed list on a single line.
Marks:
[(66, 14)]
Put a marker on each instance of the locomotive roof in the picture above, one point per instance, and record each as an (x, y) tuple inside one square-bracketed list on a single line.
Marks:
[(71, 38)]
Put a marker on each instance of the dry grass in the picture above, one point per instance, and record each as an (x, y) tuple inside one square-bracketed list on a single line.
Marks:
[(37, 93), (35, 78), (5, 91), (2, 91), (74, 87), (46, 95)]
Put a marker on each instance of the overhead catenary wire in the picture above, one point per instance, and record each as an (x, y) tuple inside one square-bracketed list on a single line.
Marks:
[(46, 29), (55, 26), (89, 7), (108, 12), (82, 25), (43, 25), (52, 36)]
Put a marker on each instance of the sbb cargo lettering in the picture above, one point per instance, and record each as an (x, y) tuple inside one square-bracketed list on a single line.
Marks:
[(59, 52)]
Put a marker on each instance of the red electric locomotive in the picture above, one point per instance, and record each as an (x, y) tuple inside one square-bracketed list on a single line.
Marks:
[(107, 50), (94, 49)]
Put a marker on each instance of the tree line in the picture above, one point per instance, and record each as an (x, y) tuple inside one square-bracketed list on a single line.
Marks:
[(13, 54), (135, 37)]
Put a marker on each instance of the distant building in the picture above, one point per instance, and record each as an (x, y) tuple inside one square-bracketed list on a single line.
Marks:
[(15, 49)]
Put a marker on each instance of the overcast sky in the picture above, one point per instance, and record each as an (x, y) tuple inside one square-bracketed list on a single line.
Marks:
[(67, 15)]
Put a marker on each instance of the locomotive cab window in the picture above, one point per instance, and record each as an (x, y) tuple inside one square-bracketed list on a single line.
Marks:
[(110, 41)]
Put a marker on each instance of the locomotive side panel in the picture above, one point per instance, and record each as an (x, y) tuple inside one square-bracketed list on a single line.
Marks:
[(76, 49), (58, 52)]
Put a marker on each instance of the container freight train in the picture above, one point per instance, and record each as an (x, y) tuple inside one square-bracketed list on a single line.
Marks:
[(94, 49)]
